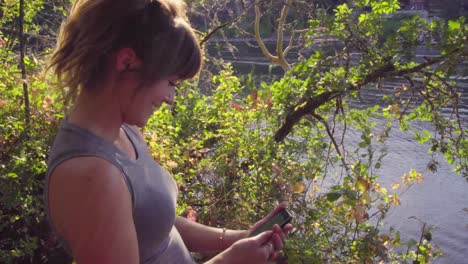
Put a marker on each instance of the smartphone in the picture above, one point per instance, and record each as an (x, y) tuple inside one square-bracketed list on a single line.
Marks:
[(282, 217)]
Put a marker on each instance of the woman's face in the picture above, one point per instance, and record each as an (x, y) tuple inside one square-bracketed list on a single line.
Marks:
[(141, 102)]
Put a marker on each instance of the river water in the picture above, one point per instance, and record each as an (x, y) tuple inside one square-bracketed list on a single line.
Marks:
[(440, 201)]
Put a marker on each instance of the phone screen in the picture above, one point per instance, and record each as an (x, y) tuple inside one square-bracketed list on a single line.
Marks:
[(281, 218)]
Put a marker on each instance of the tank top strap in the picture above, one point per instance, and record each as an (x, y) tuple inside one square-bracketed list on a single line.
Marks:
[(72, 142), (134, 135)]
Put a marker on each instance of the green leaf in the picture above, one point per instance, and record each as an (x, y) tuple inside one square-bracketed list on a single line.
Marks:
[(453, 25), (361, 185), (412, 243), (427, 234), (12, 175), (397, 236), (423, 137), (352, 195), (362, 144), (335, 195)]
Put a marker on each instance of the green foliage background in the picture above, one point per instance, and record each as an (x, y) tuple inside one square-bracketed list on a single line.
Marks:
[(221, 148)]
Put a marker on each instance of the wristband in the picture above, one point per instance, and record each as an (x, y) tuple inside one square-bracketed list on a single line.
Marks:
[(221, 239)]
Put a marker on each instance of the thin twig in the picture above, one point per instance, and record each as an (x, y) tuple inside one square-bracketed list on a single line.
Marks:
[(332, 138)]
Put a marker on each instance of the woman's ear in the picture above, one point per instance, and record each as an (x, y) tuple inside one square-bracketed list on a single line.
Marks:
[(126, 59)]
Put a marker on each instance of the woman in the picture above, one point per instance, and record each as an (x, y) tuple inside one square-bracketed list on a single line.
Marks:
[(106, 198)]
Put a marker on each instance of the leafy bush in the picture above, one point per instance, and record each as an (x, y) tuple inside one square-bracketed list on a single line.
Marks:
[(238, 150)]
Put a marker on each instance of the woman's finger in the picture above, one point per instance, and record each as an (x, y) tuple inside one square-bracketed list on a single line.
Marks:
[(268, 249), (277, 229), (283, 232), (279, 207), (288, 228), (277, 242), (273, 255), (263, 238)]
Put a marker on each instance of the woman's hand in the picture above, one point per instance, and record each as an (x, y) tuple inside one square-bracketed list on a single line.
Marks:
[(258, 249), (252, 250), (279, 234)]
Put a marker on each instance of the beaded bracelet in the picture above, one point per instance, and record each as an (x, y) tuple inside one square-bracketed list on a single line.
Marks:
[(221, 239)]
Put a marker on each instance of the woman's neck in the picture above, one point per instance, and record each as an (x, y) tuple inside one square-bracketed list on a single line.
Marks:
[(98, 113)]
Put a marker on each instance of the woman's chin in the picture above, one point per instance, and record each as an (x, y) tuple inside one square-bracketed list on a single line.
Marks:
[(139, 122)]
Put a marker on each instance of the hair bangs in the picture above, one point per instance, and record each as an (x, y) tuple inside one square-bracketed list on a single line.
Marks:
[(188, 61), (174, 51)]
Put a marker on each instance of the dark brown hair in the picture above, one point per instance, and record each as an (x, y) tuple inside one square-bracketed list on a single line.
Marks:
[(156, 30)]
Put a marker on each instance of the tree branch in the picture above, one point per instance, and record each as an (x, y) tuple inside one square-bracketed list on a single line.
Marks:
[(309, 105), (279, 58), (259, 38), (218, 28), (332, 138), (290, 45), (279, 42), (228, 23)]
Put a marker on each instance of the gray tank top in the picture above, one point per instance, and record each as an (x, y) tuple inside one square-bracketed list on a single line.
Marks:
[(153, 190)]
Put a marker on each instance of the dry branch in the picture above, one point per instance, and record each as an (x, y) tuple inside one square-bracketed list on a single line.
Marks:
[(279, 58)]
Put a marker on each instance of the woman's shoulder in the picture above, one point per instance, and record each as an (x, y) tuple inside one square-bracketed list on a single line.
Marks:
[(87, 172), (89, 201), (89, 178)]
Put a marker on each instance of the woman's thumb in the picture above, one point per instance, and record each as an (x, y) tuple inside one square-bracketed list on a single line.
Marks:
[(263, 237)]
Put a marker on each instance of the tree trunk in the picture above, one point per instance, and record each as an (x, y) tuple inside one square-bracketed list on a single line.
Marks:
[(27, 113)]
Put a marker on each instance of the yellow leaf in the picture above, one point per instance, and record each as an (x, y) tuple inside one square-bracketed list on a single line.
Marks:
[(171, 164), (377, 187), (280, 182), (350, 215), (361, 214), (362, 185), (204, 150), (395, 108), (395, 186), (299, 187), (385, 237), (394, 200), (404, 87), (276, 168), (157, 158), (383, 190), (365, 198), (419, 178)]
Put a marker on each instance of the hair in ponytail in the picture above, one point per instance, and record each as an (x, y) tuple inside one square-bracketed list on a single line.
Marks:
[(157, 30)]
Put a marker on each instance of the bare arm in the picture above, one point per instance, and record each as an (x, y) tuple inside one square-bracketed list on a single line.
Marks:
[(90, 206), (236, 246), (191, 233), (252, 250)]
